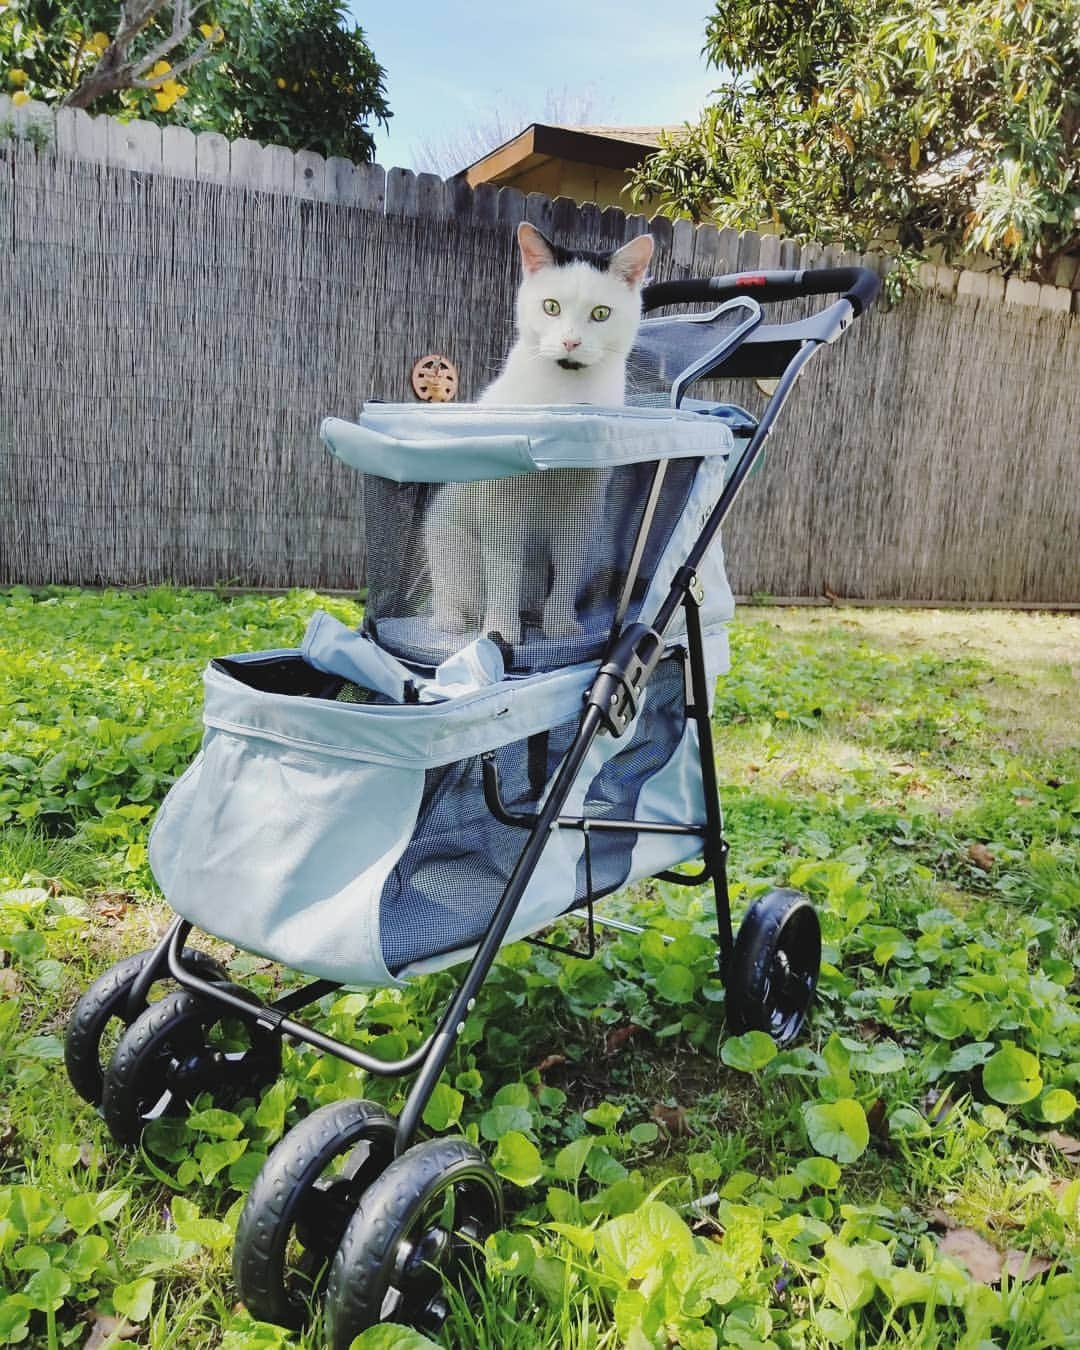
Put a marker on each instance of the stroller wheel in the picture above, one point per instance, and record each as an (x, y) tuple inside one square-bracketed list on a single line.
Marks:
[(774, 967), (300, 1205), (422, 1222), (105, 1002), (178, 1048)]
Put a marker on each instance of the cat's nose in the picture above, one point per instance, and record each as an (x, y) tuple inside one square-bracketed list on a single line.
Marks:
[(570, 343)]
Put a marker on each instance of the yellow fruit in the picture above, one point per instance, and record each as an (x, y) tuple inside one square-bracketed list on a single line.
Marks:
[(20, 98), (17, 77)]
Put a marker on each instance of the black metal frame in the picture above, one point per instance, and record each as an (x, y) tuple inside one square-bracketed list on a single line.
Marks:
[(631, 657)]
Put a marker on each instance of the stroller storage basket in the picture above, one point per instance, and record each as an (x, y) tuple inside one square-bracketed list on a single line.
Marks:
[(354, 842)]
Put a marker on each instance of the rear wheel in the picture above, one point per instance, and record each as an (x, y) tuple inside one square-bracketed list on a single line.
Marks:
[(301, 1204), (101, 1014), (178, 1048), (774, 967)]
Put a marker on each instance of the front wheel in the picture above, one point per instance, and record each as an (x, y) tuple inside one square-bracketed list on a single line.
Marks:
[(774, 967), (301, 1204), (421, 1223)]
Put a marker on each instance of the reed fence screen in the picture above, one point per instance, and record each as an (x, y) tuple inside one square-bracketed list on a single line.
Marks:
[(171, 343)]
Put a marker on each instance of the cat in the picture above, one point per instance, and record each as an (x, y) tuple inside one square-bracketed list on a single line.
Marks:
[(577, 316)]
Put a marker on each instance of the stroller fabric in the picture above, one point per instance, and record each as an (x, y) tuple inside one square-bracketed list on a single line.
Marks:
[(352, 840)]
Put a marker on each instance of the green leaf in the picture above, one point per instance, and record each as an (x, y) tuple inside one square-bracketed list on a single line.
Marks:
[(837, 1129), (509, 1254), (214, 1158), (502, 1119), (518, 1159), (221, 1124), (46, 1289), (633, 1246), (884, 1057), (676, 984), (134, 1300), (88, 1210), (1057, 1105), (570, 1160), (821, 1172), (749, 1052), (42, 1047), (444, 1107), (1011, 1076), (946, 1020), (15, 1310), (644, 1133), (968, 1057), (153, 1252)]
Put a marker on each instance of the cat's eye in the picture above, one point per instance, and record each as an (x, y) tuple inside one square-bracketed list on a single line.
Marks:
[(600, 313), (552, 307)]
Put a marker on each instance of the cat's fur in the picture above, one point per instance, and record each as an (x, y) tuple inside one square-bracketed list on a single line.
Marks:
[(531, 533)]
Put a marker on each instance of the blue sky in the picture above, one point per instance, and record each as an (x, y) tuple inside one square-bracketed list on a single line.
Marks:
[(452, 65)]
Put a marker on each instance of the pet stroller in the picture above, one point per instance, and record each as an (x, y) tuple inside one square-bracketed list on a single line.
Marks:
[(379, 804)]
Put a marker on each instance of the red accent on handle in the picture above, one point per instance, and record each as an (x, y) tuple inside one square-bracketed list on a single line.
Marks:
[(751, 281)]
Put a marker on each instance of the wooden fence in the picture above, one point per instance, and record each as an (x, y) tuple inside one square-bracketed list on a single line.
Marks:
[(171, 342)]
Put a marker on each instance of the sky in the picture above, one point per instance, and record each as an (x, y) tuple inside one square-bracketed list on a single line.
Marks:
[(451, 65)]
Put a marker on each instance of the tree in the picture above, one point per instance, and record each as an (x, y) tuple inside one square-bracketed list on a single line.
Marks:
[(952, 124), (293, 72)]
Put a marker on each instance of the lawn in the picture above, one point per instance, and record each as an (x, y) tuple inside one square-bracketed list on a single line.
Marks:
[(908, 1175)]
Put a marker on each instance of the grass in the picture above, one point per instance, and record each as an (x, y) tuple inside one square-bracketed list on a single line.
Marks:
[(915, 772)]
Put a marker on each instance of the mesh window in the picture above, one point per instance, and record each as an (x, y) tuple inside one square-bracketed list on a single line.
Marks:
[(539, 560), (445, 888), (666, 347)]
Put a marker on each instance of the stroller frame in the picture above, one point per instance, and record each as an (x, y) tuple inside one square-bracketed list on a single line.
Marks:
[(780, 352)]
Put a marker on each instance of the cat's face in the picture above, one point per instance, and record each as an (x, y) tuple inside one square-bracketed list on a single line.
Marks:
[(577, 312)]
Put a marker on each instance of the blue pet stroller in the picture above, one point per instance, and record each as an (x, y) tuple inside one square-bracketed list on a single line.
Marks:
[(379, 804)]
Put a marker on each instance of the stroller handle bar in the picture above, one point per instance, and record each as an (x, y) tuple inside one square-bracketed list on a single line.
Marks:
[(859, 286)]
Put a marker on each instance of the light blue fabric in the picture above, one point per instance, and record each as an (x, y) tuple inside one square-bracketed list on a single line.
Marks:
[(470, 442), (331, 646), (282, 833)]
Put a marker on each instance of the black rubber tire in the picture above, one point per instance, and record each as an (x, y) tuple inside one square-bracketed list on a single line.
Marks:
[(774, 966), (164, 1060), (286, 1187), (104, 1000), (376, 1247)]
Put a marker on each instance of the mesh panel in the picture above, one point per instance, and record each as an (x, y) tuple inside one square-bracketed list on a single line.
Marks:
[(445, 888), (539, 560), (664, 348)]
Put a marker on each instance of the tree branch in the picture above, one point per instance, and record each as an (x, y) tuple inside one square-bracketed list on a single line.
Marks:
[(116, 70)]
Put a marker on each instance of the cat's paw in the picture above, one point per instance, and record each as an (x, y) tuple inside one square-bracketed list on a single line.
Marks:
[(501, 628)]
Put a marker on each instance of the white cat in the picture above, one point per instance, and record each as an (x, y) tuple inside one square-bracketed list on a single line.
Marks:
[(577, 317)]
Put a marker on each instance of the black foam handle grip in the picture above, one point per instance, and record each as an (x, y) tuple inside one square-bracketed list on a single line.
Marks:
[(858, 285)]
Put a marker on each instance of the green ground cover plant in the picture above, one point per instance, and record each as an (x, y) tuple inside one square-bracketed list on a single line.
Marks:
[(908, 1175)]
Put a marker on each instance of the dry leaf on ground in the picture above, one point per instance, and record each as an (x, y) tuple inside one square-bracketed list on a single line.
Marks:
[(618, 1036), (981, 1260), (550, 1062), (1064, 1143), (672, 1118), (105, 1327), (1025, 1265), (981, 856)]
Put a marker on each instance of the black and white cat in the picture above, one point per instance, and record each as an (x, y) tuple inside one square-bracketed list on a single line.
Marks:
[(577, 317)]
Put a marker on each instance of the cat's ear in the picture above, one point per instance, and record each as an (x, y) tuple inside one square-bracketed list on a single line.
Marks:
[(630, 261), (535, 249)]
